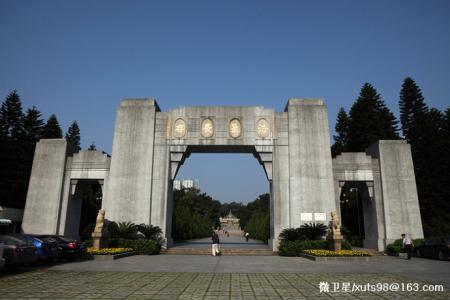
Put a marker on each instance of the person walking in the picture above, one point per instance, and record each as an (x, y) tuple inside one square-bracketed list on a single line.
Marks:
[(215, 243), (407, 244), (247, 236)]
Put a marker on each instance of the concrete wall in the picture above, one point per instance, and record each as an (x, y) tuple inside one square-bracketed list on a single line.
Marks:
[(129, 189), (84, 165), (311, 189), (398, 188), (44, 191), (388, 169)]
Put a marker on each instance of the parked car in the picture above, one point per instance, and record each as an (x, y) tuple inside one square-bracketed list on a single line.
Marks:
[(46, 251), (17, 252), (435, 247), (2, 260), (67, 248)]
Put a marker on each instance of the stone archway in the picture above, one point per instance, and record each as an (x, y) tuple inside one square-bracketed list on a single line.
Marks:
[(293, 146)]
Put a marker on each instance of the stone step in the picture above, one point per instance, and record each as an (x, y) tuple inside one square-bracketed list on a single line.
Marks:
[(225, 251)]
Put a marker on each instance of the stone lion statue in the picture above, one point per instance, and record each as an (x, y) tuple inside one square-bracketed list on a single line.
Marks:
[(334, 225)]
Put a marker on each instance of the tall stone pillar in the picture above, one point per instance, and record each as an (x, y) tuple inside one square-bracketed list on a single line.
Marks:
[(311, 187), (280, 210), (129, 187), (398, 189), (42, 208)]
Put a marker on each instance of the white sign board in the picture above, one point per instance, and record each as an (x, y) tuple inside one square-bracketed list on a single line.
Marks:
[(320, 217), (307, 217)]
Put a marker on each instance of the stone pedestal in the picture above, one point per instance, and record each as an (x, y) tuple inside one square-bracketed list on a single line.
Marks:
[(99, 240), (335, 244)]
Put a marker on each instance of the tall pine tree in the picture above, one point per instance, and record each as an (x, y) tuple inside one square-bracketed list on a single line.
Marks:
[(412, 108), (424, 129), (73, 135), (52, 130), (341, 136), (11, 117), (369, 120), (11, 152), (33, 125)]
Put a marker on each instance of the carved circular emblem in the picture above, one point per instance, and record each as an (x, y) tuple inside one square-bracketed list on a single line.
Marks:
[(179, 128), (235, 128), (262, 128), (207, 129)]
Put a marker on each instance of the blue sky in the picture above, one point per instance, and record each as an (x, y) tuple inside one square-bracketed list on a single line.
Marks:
[(77, 59)]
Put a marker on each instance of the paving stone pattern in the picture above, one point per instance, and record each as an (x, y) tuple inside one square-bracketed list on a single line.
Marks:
[(48, 284)]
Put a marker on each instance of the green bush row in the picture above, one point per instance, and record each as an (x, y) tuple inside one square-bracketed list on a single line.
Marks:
[(295, 248), (140, 246), (397, 246)]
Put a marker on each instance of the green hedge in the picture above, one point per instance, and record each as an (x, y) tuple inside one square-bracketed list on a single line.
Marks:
[(295, 248), (140, 246), (397, 246)]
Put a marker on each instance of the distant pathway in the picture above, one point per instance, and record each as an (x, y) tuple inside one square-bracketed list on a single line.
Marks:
[(225, 242)]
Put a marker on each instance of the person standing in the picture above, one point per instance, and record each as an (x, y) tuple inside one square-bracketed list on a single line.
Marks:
[(247, 236), (215, 243), (407, 244)]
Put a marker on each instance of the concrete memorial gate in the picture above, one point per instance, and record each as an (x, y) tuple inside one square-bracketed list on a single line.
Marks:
[(292, 146)]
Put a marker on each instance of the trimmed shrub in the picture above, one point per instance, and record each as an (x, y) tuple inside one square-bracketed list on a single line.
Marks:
[(140, 246), (397, 246), (393, 249), (346, 245)]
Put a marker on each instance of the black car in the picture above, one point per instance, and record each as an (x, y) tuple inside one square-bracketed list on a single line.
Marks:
[(18, 252), (68, 248), (435, 247)]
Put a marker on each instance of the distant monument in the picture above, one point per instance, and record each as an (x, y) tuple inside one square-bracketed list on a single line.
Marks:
[(334, 235), (230, 222), (100, 235)]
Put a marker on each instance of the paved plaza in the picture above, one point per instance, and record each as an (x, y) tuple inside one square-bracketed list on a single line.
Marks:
[(237, 277), (46, 284)]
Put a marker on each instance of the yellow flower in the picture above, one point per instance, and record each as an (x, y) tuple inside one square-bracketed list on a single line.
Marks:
[(341, 253), (107, 251)]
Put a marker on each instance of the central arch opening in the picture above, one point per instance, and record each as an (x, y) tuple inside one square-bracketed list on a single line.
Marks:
[(224, 189)]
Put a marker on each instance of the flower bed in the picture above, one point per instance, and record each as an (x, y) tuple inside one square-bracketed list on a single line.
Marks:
[(296, 248), (341, 253), (107, 251)]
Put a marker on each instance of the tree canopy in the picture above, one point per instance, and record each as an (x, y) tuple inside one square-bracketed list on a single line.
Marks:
[(19, 133), (73, 135), (52, 130), (369, 121)]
